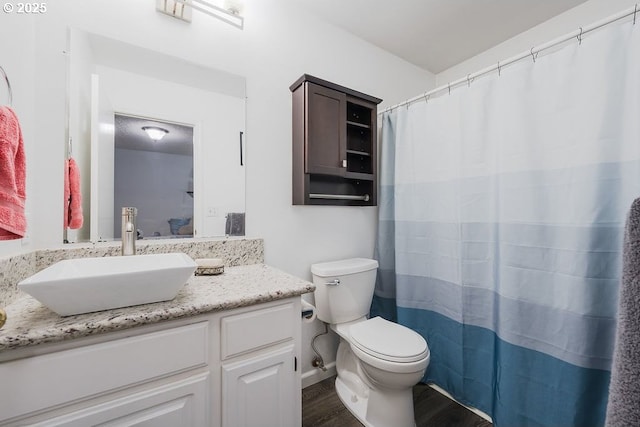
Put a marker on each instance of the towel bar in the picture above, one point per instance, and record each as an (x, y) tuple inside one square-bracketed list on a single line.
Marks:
[(364, 197), (6, 79)]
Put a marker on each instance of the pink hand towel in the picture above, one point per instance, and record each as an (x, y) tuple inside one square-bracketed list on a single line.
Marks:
[(13, 168), (67, 193), (73, 197)]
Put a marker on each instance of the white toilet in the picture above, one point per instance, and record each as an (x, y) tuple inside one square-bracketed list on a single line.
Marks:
[(378, 361)]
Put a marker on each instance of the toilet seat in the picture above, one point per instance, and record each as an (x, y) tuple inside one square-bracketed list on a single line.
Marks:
[(388, 346)]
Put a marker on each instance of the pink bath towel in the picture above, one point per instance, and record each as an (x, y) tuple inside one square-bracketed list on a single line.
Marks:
[(13, 168), (72, 196)]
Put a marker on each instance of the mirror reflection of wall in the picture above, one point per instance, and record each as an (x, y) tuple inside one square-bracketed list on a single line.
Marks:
[(106, 77), (153, 171)]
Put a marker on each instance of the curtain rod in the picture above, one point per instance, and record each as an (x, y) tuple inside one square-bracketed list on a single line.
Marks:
[(533, 53)]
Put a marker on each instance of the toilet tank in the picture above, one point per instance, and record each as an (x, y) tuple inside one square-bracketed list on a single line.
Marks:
[(344, 289)]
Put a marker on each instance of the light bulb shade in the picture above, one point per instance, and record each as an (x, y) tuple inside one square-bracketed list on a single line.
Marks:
[(155, 132)]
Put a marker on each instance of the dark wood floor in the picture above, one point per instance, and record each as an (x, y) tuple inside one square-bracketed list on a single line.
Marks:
[(321, 407)]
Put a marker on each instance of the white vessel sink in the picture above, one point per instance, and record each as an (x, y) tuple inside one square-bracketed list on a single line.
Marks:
[(84, 285)]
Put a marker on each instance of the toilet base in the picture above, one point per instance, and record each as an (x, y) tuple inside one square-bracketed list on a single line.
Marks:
[(357, 405), (386, 410)]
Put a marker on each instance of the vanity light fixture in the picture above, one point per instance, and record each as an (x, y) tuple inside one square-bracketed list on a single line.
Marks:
[(176, 9), (181, 9), (154, 132)]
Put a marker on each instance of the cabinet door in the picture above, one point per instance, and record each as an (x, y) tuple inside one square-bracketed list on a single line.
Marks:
[(182, 403), (261, 391), (326, 131)]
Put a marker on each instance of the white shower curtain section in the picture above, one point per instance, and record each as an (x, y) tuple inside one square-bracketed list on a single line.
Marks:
[(501, 222)]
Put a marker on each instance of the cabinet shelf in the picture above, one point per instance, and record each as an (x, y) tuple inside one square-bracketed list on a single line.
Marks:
[(359, 175), (358, 153), (334, 144), (360, 125)]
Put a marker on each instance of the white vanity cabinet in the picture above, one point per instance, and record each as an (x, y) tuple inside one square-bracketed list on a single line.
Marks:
[(230, 368)]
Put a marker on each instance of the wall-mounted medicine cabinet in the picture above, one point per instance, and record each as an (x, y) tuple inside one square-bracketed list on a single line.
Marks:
[(334, 144)]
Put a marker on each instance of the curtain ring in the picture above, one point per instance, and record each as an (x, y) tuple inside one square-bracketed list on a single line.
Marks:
[(580, 37), (635, 11), (449, 85), (426, 97), (468, 80), (499, 69), (534, 55)]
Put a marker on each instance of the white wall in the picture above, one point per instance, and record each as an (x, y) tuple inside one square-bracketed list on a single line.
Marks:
[(580, 16), (277, 45)]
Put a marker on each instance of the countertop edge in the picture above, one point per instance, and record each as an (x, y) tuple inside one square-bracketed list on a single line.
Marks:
[(32, 324)]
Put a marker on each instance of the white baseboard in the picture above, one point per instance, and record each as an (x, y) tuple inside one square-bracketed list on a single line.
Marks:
[(474, 410), (316, 375)]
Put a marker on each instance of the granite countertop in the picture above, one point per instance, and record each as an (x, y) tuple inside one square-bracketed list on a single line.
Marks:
[(29, 323)]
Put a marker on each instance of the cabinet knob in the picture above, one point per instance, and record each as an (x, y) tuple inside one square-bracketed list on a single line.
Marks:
[(344, 163)]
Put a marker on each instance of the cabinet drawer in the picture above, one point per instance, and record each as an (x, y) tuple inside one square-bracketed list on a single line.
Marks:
[(40, 382), (181, 403), (255, 329)]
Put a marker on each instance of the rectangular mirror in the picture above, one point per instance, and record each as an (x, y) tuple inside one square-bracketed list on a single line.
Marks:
[(183, 186)]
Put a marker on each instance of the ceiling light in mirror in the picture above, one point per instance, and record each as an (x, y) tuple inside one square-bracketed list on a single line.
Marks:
[(154, 132)]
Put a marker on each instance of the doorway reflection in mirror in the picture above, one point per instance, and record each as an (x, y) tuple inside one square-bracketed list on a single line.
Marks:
[(155, 175)]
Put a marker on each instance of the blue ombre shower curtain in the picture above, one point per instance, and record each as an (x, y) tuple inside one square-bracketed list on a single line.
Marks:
[(502, 207)]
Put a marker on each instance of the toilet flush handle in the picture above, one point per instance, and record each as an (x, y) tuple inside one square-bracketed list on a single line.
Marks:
[(334, 282)]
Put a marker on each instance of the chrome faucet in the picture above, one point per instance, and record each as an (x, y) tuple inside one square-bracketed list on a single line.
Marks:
[(129, 233)]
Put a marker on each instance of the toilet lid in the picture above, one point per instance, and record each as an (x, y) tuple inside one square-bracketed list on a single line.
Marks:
[(389, 341)]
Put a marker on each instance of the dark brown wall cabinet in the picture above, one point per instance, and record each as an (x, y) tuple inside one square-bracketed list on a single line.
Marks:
[(334, 144)]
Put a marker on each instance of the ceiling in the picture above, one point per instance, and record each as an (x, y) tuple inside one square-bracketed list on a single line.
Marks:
[(436, 34)]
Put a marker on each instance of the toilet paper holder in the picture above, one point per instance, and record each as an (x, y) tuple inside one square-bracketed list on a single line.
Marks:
[(308, 312)]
